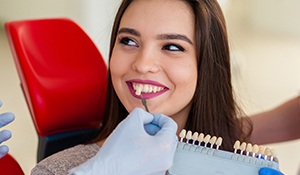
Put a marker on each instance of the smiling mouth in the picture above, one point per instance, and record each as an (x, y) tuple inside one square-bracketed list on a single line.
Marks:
[(146, 88)]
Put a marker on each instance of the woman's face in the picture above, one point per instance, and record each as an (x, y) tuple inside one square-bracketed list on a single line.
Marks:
[(155, 50)]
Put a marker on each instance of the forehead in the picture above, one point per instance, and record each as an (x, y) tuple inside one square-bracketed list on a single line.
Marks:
[(159, 16)]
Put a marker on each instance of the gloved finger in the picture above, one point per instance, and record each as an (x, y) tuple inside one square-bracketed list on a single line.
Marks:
[(135, 121), (4, 135), (269, 171), (0, 103), (6, 118), (151, 128), (140, 115), (167, 124), (3, 150)]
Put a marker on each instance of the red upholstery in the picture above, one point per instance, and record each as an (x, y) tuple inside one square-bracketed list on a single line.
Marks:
[(9, 166), (63, 75)]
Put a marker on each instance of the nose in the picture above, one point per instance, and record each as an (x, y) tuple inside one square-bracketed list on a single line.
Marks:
[(147, 61)]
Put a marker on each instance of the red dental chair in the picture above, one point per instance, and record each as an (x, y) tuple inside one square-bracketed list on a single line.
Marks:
[(9, 166), (63, 78)]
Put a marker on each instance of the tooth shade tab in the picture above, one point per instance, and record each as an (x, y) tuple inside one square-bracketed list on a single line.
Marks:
[(243, 146), (188, 136), (236, 146), (261, 151), (267, 153), (206, 139), (145, 88), (212, 141), (195, 137), (255, 149), (200, 138), (273, 154), (219, 142), (138, 91), (182, 135), (248, 149)]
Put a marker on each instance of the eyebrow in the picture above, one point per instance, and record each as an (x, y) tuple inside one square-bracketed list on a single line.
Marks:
[(129, 31), (160, 37), (174, 36)]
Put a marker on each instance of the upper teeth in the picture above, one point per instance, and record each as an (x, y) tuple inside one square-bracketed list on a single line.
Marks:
[(145, 88)]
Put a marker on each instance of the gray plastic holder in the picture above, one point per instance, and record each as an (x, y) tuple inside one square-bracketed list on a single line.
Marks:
[(197, 160)]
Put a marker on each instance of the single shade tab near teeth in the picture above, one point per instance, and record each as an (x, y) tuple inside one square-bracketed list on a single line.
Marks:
[(138, 90)]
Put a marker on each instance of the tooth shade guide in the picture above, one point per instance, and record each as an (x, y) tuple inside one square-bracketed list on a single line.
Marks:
[(190, 160), (198, 143)]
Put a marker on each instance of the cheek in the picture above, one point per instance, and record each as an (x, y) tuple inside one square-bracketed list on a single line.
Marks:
[(118, 66), (185, 81), (185, 76), (116, 71)]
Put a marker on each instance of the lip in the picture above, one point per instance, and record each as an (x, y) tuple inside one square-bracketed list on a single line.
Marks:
[(145, 95)]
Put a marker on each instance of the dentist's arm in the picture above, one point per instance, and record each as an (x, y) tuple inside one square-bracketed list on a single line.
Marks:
[(143, 143)]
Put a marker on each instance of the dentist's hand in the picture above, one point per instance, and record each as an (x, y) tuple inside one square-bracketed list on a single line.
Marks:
[(269, 171), (5, 119), (143, 143)]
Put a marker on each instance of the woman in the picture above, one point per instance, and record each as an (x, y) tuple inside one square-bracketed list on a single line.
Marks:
[(177, 52)]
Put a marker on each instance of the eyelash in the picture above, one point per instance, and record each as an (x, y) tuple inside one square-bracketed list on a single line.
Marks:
[(126, 40), (178, 48)]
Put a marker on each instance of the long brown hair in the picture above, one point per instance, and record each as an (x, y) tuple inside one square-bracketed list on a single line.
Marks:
[(213, 110)]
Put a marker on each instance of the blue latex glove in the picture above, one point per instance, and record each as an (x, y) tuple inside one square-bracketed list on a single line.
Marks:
[(143, 143), (5, 119), (269, 171)]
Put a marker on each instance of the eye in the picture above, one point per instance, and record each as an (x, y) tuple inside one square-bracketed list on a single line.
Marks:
[(128, 42), (173, 47)]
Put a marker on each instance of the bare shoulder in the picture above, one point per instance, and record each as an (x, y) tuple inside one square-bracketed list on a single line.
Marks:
[(65, 160)]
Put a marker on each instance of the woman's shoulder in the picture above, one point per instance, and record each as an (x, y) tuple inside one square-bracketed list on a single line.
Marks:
[(63, 161)]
